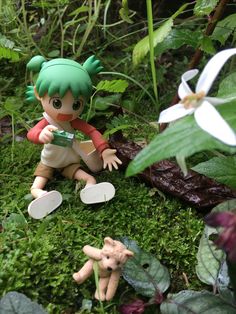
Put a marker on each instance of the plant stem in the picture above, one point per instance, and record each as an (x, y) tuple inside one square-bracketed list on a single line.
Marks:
[(92, 18), (151, 46)]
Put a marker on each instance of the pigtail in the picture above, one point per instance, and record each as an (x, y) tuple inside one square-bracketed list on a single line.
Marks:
[(35, 64), (92, 66), (30, 95)]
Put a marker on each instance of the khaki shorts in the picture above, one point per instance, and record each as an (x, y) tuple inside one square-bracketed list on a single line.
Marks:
[(47, 172)]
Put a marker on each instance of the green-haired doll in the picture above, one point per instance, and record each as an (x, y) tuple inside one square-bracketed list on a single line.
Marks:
[(63, 86)]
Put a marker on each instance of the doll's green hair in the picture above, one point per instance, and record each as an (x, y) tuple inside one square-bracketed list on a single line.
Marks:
[(60, 75)]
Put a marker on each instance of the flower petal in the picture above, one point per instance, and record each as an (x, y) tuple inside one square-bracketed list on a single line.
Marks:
[(173, 113), (184, 90), (209, 119), (212, 68), (217, 101)]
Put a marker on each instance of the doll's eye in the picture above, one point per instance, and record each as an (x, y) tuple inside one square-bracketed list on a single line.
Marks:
[(108, 257), (118, 263), (77, 104), (56, 103)]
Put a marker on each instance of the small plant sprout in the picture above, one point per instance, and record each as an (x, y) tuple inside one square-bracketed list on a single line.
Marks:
[(206, 116)]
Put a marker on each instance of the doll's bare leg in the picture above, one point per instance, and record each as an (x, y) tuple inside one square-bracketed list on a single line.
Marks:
[(38, 186), (102, 286), (84, 176), (85, 272)]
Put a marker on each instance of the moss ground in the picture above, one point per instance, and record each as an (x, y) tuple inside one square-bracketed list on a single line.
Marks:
[(38, 258)]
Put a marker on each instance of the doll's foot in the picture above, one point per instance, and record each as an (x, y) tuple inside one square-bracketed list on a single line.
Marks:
[(97, 193), (45, 204)]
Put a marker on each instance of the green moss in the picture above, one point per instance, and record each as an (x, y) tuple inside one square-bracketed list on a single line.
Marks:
[(38, 258)]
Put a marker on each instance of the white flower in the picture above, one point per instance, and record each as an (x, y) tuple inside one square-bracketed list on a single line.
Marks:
[(206, 116)]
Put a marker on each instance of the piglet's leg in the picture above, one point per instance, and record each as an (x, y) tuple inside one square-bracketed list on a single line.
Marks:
[(84, 273)]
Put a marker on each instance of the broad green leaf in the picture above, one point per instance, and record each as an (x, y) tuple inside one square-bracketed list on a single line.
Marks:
[(183, 137), (224, 29), (12, 104), (194, 302), (144, 272), (177, 38), (103, 103), (204, 7), (114, 86), (54, 53), (142, 47), (227, 87), (18, 303), (222, 169), (207, 46), (15, 221), (211, 268), (209, 258)]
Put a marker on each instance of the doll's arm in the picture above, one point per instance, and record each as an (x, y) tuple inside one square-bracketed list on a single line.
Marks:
[(113, 284), (92, 252), (98, 141), (41, 133)]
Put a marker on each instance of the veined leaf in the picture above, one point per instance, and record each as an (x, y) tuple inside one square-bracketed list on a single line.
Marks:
[(177, 38), (188, 301), (222, 169), (144, 272), (224, 29), (204, 7), (209, 257), (227, 87), (183, 137), (142, 47), (211, 265), (14, 302), (114, 86)]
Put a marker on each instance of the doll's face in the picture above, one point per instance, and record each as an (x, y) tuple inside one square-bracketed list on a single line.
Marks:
[(62, 109)]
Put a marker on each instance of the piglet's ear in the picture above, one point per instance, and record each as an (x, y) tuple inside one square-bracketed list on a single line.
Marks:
[(109, 241), (129, 253)]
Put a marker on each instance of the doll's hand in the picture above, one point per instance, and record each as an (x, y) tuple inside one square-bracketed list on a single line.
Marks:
[(110, 159), (46, 136)]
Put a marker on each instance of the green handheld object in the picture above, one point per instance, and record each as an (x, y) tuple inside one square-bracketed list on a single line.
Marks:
[(62, 138)]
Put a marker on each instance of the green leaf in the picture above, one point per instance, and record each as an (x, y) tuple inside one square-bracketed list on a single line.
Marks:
[(183, 137), (210, 268), (194, 302), (114, 86), (124, 12), (207, 45), (222, 169), (209, 258), (54, 53), (227, 87), (12, 104), (142, 47), (14, 302), (103, 103), (204, 7), (177, 38), (79, 10), (224, 29), (144, 272)]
